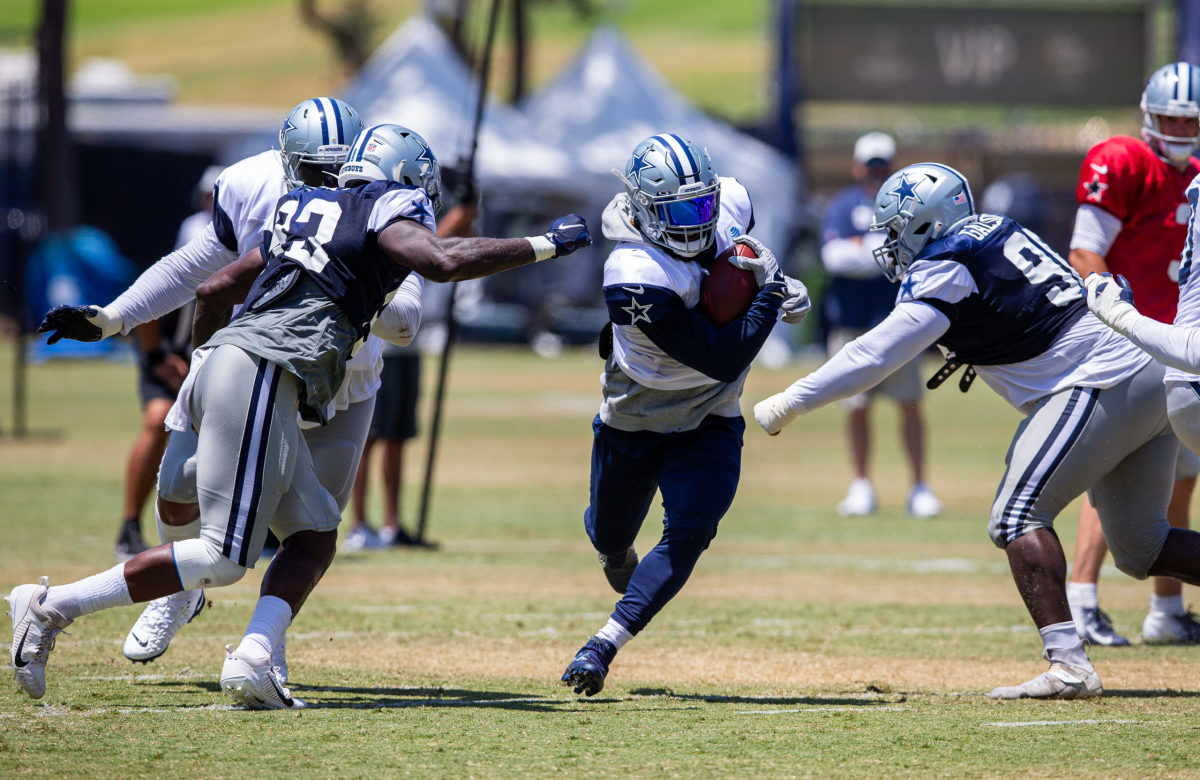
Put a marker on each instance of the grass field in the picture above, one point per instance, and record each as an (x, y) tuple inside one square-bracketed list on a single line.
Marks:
[(804, 644)]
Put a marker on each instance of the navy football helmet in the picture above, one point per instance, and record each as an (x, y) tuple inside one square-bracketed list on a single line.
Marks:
[(317, 133)]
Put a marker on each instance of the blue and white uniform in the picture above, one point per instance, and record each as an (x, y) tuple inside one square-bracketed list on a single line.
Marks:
[(326, 280), (992, 294), (670, 419)]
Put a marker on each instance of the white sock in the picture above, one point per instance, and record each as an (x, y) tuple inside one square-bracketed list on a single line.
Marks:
[(1064, 646), (91, 594), (272, 615), (1082, 595), (176, 533), (1171, 605), (615, 633)]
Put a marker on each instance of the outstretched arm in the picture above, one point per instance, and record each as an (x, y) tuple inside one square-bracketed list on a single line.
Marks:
[(217, 296), (458, 259), (1111, 300)]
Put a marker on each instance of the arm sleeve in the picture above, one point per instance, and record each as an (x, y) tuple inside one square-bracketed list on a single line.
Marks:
[(172, 281), (1095, 230), (401, 318), (852, 257), (1172, 345), (688, 336), (870, 358)]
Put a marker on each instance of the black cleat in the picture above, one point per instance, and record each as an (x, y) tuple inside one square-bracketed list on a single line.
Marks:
[(586, 673)]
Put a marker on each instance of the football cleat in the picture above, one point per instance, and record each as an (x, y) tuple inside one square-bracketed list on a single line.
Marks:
[(586, 672), (1093, 625), (618, 574), (253, 685), (923, 503), (1161, 628), (859, 500), (362, 537), (159, 622), (1058, 682), (34, 630)]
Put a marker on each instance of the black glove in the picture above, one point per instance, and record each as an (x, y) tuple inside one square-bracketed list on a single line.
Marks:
[(79, 323)]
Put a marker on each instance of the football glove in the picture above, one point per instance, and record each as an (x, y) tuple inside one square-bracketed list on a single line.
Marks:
[(773, 413), (568, 234), (796, 304), (80, 323), (764, 267), (1111, 300)]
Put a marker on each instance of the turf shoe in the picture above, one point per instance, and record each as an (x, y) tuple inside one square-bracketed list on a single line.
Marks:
[(585, 674), (1058, 682), (159, 622), (619, 571), (1162, 628), (1093, 625), (34, 630), (255, 685)]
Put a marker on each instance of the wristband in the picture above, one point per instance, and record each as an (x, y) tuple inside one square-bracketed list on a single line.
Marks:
[(543, 248)]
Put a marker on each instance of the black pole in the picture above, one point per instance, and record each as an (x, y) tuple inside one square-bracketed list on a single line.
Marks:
[(435, 427)]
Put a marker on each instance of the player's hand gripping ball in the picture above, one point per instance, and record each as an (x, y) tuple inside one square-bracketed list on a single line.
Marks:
[(727, 291)]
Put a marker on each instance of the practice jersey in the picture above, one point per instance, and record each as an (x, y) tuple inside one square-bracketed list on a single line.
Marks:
[(1127, 179), (670, 367), (1188, 314), (857, 302)]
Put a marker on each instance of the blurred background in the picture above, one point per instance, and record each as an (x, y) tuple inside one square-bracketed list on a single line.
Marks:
[(112, 111)]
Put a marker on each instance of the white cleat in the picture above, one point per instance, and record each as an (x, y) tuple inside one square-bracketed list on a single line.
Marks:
[(255, 686), (923, 503), (859, 501), (159, 622), (1058, 682), (1162, 628), (34, 630), (773, 413)]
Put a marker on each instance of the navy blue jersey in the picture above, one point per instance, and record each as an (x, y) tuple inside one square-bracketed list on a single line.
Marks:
[(851, 301), (331, 235), (1019, 297)]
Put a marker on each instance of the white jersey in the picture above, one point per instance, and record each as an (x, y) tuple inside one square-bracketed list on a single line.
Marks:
[(244, 205), (634, 262), (1179, 348)]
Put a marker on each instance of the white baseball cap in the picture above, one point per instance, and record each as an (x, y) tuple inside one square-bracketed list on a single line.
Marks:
[(874, 146)]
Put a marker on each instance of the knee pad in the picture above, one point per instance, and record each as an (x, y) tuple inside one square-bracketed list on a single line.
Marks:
[(200, 564)]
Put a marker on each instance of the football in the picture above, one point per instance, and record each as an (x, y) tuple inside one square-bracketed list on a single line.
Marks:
[(727, 291)]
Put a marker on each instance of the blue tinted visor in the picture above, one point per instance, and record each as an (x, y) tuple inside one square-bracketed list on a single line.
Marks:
[(689, 213)]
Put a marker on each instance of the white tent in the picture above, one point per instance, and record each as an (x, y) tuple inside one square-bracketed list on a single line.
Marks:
[(608, 99), (417, 79)]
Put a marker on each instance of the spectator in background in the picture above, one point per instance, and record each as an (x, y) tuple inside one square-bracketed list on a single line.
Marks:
[(856, 299), (164, 347), (395, 422)]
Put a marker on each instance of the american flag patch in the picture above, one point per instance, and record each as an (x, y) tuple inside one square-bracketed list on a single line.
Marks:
[(960, 199)]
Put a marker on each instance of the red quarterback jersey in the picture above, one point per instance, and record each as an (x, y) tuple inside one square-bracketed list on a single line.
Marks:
[(1127, 179)]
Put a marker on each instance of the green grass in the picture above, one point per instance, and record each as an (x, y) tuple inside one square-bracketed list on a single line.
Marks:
[(804, 645)]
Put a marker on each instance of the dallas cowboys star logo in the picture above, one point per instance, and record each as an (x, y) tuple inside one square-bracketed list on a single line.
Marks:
[(1095, 188), (637, 165), (906, 288), (288, 125), (637, 311), (905, 191)]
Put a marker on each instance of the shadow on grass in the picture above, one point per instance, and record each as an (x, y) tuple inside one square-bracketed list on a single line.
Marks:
[(778, 701), (1137, 693)]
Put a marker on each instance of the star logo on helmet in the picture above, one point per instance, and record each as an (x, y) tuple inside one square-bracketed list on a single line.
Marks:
[(905, 192), (637, 165), (287, 125), (426, 155)]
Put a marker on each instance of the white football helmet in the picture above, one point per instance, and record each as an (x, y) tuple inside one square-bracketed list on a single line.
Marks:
[(674, 192), (916, 205), (1173, 90), (317, 132), (393, 153)]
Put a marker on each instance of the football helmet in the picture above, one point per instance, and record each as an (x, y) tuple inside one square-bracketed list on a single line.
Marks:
[(393, 153), (674, 193), (915, 205), (317, 132), (1173, 90)]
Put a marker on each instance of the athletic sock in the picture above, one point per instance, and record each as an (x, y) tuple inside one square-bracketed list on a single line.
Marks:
[(1064, 646), (615, 632), (1082, 595), (272, 615), (176, 533), (1170, 605), (91, 594)]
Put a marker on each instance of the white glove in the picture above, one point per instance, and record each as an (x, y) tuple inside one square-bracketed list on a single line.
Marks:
[(764, 267), (796, 304), (773, 413), (1111, 300)]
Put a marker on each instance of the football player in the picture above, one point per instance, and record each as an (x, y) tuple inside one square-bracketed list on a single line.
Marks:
[(992, 295), (1132, 220), (333, 258), (670, 418)]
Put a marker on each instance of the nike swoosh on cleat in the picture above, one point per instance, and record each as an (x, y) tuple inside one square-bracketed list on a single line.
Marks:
[(18, 661), (138, 640), (635, 290), (282, 694)]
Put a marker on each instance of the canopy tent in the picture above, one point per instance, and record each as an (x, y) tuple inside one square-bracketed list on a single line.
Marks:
[(608, 99)]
